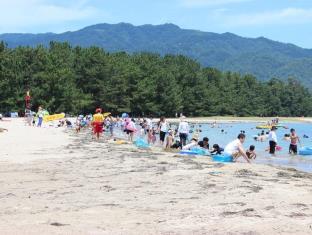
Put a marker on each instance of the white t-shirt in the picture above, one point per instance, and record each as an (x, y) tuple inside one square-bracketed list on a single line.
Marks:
[(149, 123), (272, 136), (232, 147), (183, 127), (189, 146), (164, 126)]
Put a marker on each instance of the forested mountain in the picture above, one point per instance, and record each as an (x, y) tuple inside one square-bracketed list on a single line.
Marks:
[(75, 80), (261, 57)]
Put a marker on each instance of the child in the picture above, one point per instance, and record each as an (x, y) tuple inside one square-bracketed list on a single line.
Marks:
[(130, 128), (154, 136), (294, 140), (109, 122), (169, 139), (204, 143), (216, 149), (251, 154)]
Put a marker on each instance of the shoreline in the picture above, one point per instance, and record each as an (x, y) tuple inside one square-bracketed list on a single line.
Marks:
[(228, 119), (79, 186)]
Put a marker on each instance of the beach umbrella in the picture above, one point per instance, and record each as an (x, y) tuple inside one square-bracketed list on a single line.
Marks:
[(124, 115)]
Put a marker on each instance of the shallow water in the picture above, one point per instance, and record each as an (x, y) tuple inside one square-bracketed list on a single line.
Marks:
[(282, 157)]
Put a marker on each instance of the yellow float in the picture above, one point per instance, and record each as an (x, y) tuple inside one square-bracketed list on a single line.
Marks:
[(54, 117)]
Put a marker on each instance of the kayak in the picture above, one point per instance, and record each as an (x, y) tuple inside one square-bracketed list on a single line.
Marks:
[(305, 151), (222, 158)]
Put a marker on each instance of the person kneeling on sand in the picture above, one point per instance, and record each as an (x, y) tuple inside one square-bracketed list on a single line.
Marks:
[(236, 149)]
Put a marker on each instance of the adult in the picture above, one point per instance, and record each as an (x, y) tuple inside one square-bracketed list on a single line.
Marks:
[(236, 149), (293, 149), (163, 127), (130, 128), (183, 130), (273, 140), (29, 117), (98, 121)]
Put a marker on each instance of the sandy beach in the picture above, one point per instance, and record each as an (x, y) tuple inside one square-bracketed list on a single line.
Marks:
[(54, 181)]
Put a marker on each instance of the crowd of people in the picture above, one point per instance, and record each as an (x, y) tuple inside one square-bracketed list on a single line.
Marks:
[(162, 133), (169, 136)]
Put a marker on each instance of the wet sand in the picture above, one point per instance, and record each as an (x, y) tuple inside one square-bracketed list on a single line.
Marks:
[(69, 184)]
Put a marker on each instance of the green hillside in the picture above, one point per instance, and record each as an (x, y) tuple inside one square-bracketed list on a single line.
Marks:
[(261, 57)]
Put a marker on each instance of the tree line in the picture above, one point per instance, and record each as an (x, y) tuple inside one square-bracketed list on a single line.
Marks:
[(75, 80)]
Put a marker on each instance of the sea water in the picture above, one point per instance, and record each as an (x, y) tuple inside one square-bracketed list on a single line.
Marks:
[(282, 158), (231, 131)]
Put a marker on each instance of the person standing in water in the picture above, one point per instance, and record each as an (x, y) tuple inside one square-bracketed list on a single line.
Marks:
[(183, 131), (272, 140), (236, 149), (98, 121), (293, 142)]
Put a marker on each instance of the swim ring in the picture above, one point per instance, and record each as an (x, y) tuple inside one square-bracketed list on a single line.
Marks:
[(305, 151)]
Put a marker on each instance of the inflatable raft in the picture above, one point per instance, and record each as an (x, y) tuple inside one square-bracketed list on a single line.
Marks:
[(141, 143), (54, 117), (222, 158), (305, 151), (270, 127), (188, 152), (196, 151)]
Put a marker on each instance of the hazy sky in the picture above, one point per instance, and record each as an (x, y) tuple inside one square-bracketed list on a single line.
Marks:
[(282, 20)]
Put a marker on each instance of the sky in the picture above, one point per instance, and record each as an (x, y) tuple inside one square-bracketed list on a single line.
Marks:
[(281, 20)]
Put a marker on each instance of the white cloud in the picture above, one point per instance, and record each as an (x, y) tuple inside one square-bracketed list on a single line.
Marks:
[(282, 16), (209, 3), (15, 15)]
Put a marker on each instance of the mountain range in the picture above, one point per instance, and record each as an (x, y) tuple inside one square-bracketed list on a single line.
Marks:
[(261, 57)]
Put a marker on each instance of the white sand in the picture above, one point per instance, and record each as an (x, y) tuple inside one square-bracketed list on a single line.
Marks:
[(23, 143), (104, 188)]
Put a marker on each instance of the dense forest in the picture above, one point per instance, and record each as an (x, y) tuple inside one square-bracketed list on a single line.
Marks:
[(77, 80), (261, 57)]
